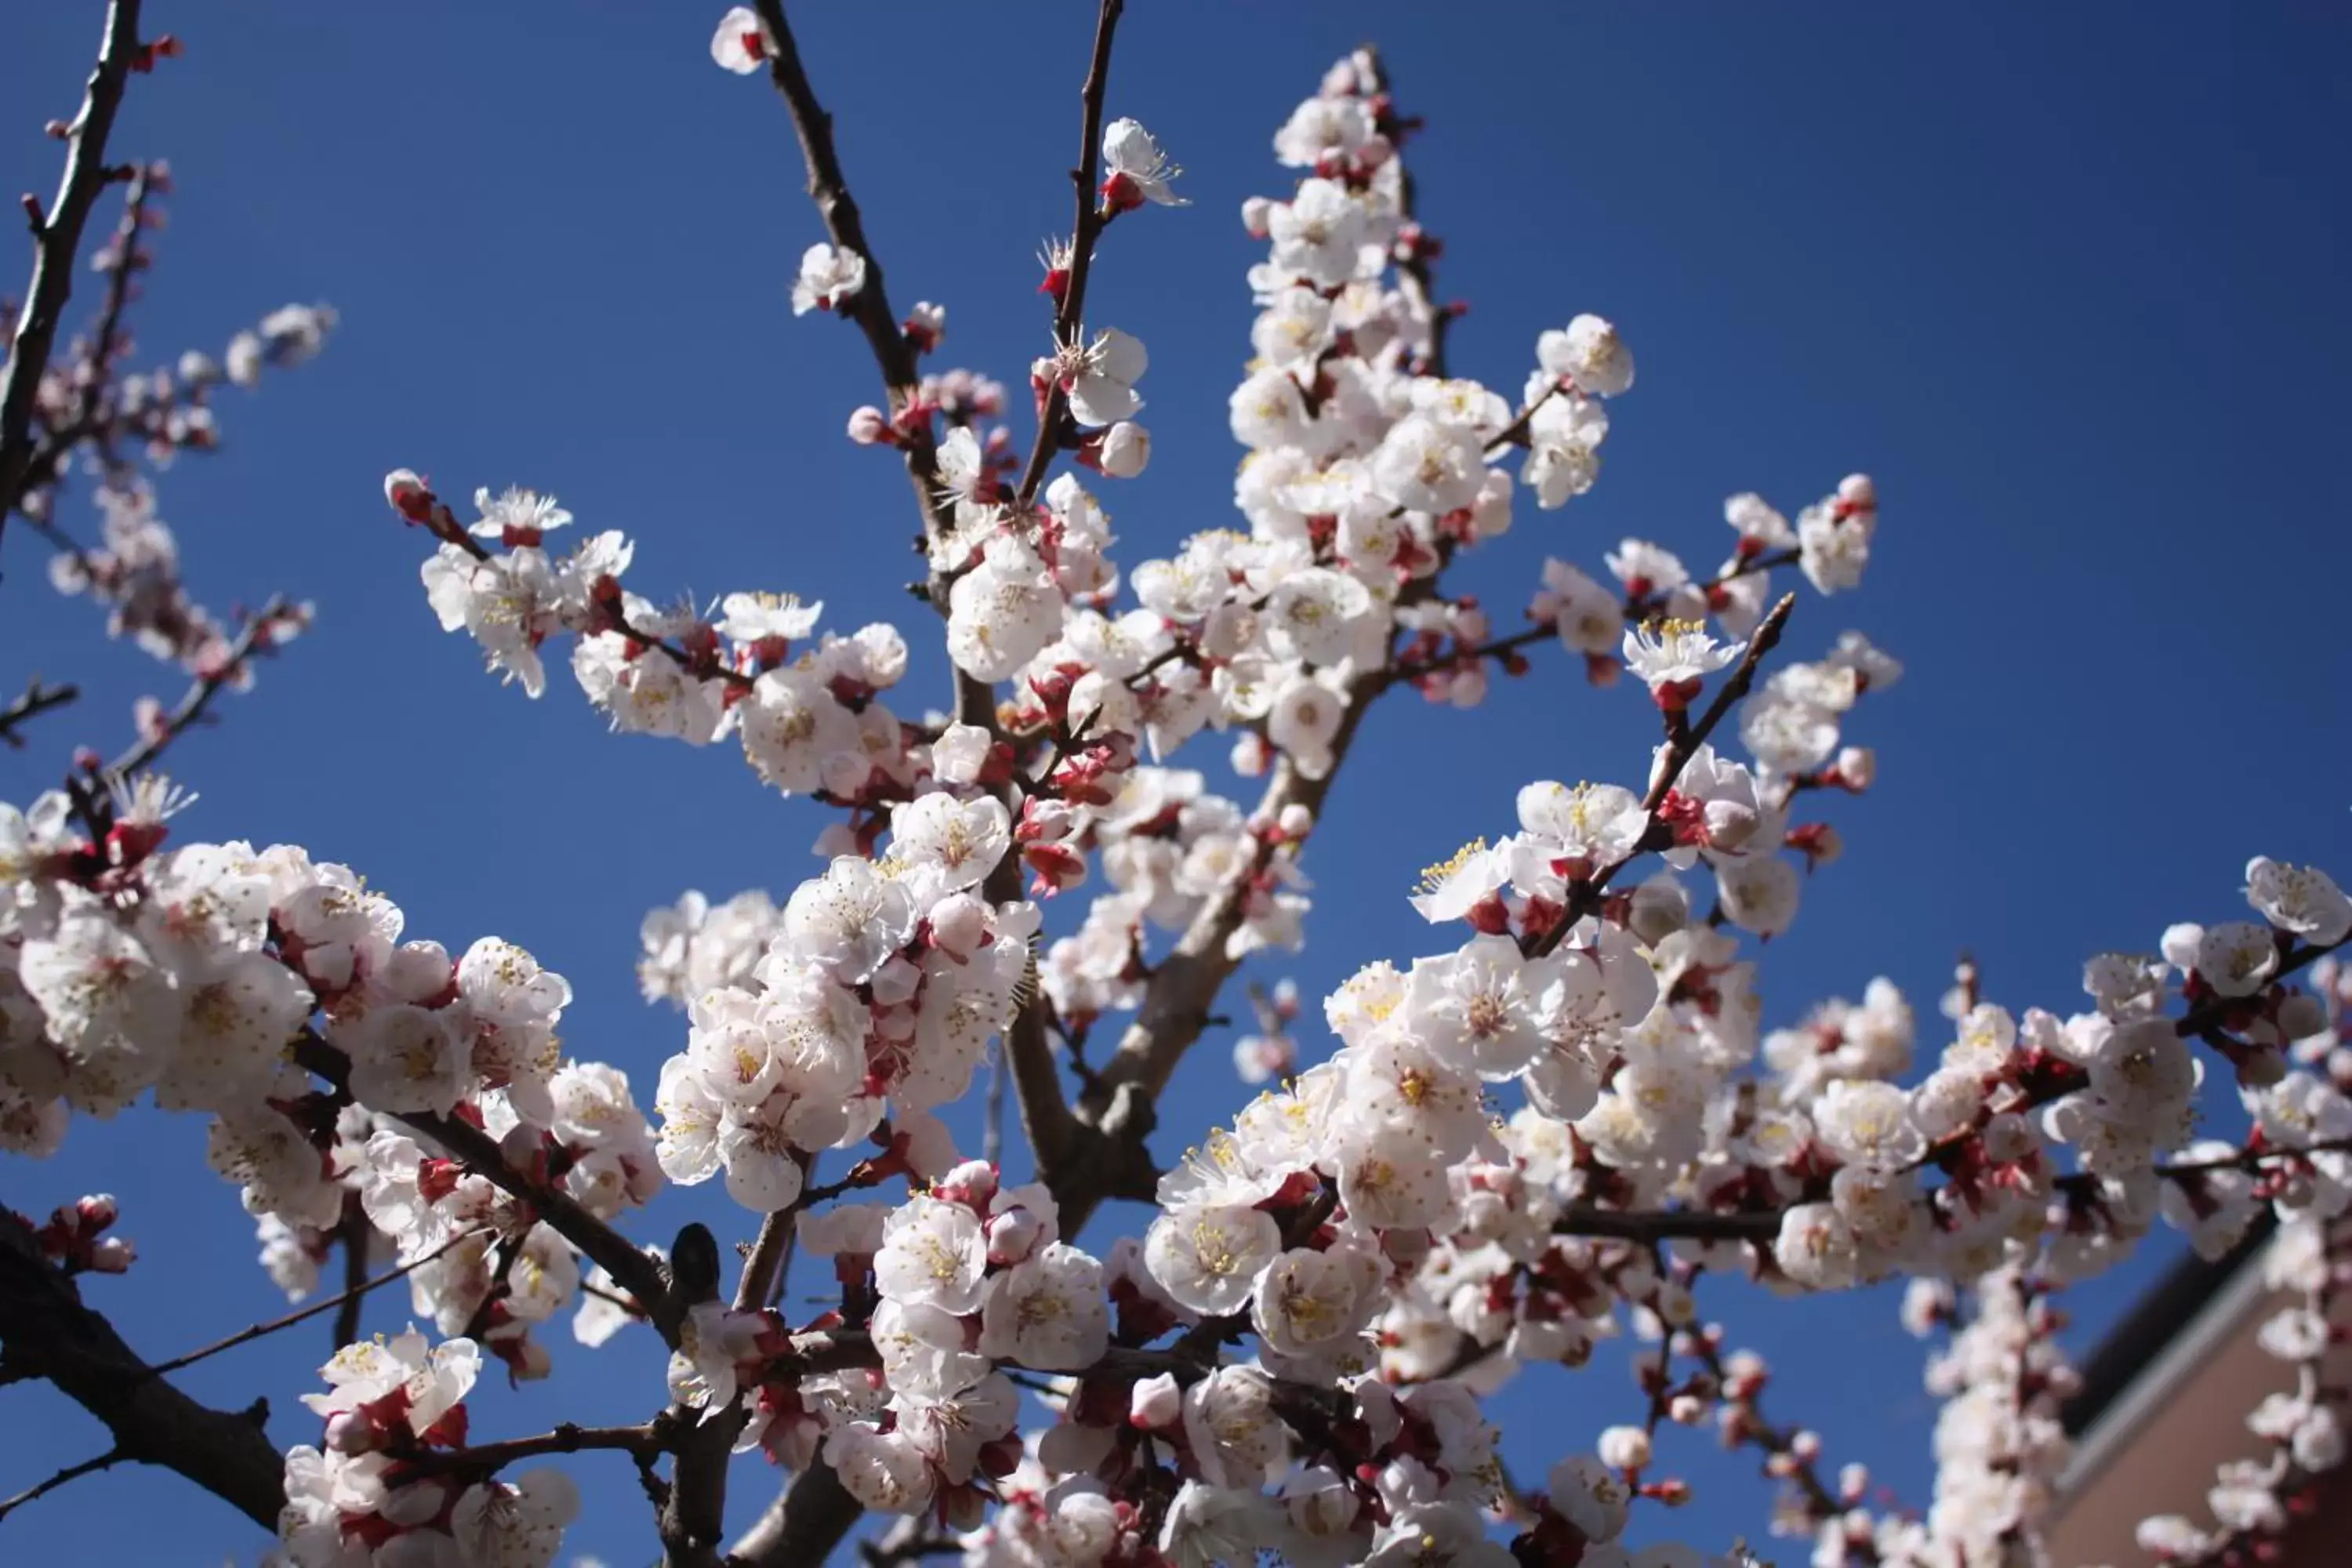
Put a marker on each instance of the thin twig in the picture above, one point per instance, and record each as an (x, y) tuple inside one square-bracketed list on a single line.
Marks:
[(253, 638), (341, 1299), (501, 1281), (1069, 313), (630, 1267), (354, 1235), (644, 1440), (107, 1461), (38, 698), (1584, 896), (56, 245)]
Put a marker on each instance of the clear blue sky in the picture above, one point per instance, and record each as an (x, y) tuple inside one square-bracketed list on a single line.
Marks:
[(2067, 279)]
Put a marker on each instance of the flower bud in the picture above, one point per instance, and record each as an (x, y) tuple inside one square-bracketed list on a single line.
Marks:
[(1624, 1448), (349, 1432), (1013, 1235), (410, 496), (870, 426), (1157, 1402), (959, 923), (972, 1183), (1122, 451), (112, 1255)]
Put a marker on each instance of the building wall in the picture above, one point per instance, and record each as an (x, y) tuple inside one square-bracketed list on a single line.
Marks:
[(2155, 1451)]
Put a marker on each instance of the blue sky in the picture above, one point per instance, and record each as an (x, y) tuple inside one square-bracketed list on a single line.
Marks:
[(2064, 279)]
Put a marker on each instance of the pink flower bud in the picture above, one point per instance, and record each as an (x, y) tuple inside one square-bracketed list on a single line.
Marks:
[(1254, 215), (1858, 767), (350, 1431), (98, 1211), (959, 921), (1123, 450), (972, 1183), (410, 496), (870, 426), (1013, 1235), (1157, 1402)]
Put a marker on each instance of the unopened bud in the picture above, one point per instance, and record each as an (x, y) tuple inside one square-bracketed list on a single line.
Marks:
[(410, 496), (870, 426), (1156, 1404), (112, 1255), (1858, 767), (1013, 1235), (1624, 1448), (1122, 451), (959, 921)]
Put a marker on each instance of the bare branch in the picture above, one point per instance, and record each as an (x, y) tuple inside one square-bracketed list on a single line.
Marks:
[(870, 306), (38, 698), (105, 1461), (348, 1297), (353, 1234), (51, 1334), (645, 1441), (1069, 314), (56, 244)]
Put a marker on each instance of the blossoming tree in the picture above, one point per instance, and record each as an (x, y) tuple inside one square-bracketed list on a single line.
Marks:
[(1538, 1132)]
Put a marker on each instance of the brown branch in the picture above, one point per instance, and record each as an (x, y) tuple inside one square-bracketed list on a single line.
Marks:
[(38, 698), (107, 1461), (870, 306), (631, 1268), (51, 1334), (1779, 1443), (644, 1441), (477, 1323), (1584, 897), (353, 1234), (57, 236), (254, 637), (350, 1296), (1069, 313)]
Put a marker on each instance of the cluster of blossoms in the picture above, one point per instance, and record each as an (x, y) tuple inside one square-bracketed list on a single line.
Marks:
[(135, 572), (2252, 1500), (74, 1240), (876, 996), (388, 1486), (1290, 1358), (694, 945), (86, 400), (220, 978), (2000, 1444)]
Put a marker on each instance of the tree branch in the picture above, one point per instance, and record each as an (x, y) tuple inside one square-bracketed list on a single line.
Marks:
[(254, 637), (38, 698), (107, 1461), (1069, 313), (870, 306), (630, 1267), (1685, 740), (50, 1333), (645, 1441), (354, 1235), (57, 243), (348, 1297)]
